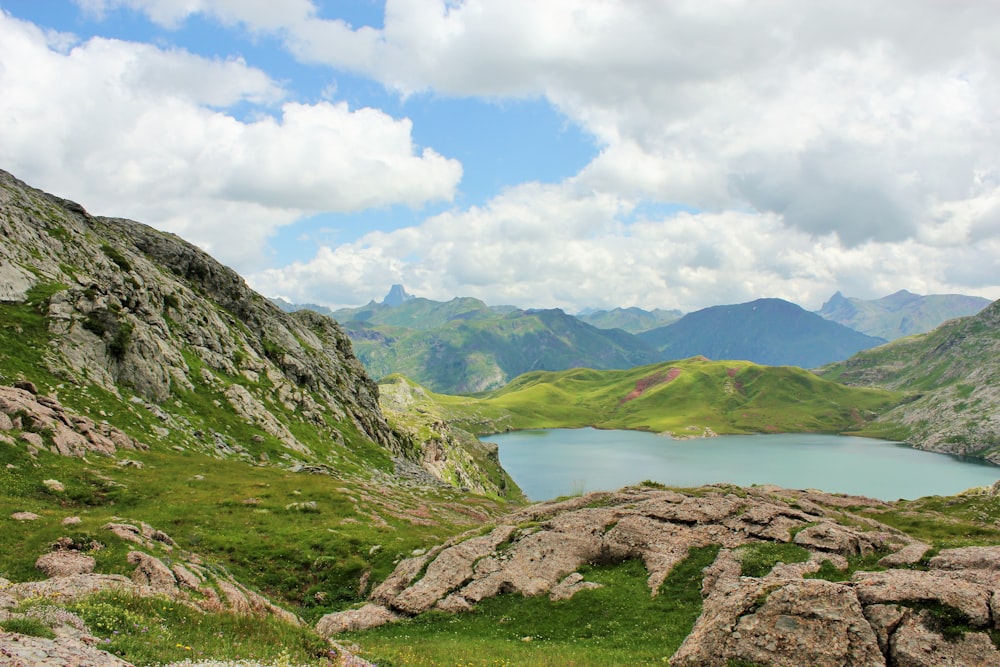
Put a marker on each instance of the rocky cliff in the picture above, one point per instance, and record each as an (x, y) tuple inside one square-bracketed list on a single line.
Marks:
[(144, 316)]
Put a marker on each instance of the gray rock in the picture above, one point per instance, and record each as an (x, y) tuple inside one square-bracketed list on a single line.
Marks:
[(908, 555), (369, 616), (65, 563), (915, 644), (785, 623), (23, 651), (967, 558), (894, 586), (150, 571), (570, 586)]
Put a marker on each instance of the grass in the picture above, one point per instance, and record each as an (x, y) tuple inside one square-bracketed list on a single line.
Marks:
[(619, 624), (756, 560), (27, 626), (948, 521), (233, 514), (157, 630)]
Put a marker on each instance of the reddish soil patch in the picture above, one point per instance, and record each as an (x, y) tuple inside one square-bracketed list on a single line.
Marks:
[(731, 372), (643, 385)]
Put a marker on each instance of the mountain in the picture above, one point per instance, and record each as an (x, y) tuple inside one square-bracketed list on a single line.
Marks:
[(397, 296), (900, 314), (466, 347), (766, 331), (953, 377), (633, 320), (161, 420), (686, 398)]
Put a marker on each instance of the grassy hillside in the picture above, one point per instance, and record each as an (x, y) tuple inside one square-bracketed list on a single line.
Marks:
[(685, 398), (765, 331)]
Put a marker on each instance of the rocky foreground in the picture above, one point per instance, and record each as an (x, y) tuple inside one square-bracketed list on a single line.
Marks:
[(910, 606), (912, 611)]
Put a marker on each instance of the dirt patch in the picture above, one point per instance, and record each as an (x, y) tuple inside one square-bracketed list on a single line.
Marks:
[(643, 385)]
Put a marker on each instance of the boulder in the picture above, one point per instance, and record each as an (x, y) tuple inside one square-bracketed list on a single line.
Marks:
[(916, 644), (369, 616), (24, 651), (902, 586), (828, 536), (570, 586), (781, 623), (150, 571), (967, 558), (65, 563), (908, 555)]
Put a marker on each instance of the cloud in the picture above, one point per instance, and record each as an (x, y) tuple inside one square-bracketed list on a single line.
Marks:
[(564, 245), (846, 118), (137, 131)]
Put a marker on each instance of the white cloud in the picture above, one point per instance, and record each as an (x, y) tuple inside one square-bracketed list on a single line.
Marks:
[(567, 246), (851, 118), (136, 131)]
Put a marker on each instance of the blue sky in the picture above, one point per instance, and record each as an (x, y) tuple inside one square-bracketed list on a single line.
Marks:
[(572, 153)]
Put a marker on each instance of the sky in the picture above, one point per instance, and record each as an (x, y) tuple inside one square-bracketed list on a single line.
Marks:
[(567, 153)]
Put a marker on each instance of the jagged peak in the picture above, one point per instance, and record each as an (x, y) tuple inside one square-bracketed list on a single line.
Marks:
[(397, 296)]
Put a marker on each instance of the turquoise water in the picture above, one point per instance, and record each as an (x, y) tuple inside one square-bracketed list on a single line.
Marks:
[(556, 462)]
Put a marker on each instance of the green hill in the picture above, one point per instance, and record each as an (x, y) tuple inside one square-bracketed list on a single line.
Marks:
[(692, 397), (766, 331), (900, 314), (952, 376)]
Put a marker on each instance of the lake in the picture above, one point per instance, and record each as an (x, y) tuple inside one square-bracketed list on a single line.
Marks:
[(556, 462)]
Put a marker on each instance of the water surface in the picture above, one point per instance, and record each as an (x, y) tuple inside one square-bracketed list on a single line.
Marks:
[(555, 462)]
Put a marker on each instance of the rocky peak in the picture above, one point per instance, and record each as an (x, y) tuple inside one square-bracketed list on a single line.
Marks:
[(135, 310), (397, 296)]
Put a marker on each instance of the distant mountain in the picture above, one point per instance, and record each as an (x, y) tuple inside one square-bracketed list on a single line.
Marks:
[(479, 349), (420, 313), (953, 376), (900, 314), (766, 331), (397, 296), (633, 320), (289, 307)]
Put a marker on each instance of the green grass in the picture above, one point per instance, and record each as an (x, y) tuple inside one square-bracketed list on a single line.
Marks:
[(233, 515), (27, 626), (756, 560), (620, 624), (157, 630), (948, 521)]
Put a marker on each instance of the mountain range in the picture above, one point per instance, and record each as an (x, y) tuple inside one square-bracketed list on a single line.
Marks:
[(466, 346)]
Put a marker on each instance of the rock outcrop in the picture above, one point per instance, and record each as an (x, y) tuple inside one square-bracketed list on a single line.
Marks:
[(940, 615), (535, 549), (57, 429)]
